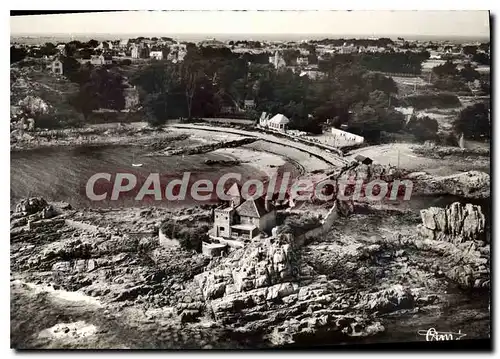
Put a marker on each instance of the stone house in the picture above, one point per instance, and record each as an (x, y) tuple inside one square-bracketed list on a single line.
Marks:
[(244, 221)]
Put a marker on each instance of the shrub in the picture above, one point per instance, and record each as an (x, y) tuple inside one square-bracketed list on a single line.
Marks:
[(190, 238)]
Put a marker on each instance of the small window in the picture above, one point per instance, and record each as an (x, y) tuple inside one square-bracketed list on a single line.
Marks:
[(221, 229)]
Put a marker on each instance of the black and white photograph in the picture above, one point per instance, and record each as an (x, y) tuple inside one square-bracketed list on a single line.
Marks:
[(225, 180)]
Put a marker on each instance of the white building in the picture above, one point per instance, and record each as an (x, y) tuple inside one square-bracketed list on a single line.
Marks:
[(302, 61), (56, 67), (313, 74), (134, 52), (279, 122), (97, 60), (157, 55)]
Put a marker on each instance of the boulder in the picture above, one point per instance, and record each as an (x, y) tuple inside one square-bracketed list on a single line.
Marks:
[(31, 205)]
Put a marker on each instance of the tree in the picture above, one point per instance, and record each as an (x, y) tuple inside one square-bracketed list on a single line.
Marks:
[(191, 72), (17, 54), (446, 69), (290, 56), (93, 43), (474, 122), (101, 89), (481, 58), (469, 50), (49, 49), (423, 128), (469, 73), (85, 101), (71, 47), (71, 68)]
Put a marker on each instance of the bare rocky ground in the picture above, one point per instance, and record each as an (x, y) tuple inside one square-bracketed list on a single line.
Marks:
[(99, 279)]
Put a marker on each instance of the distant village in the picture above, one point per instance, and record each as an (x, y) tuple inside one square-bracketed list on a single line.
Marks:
[(303, 58), (305, 63)]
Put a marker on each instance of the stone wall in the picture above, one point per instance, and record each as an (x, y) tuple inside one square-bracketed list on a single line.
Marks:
[(326, 225)]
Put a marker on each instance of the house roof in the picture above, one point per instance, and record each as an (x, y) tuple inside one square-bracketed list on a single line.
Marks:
[(234, 190), (279, 119), (253, 207), (363, 159)]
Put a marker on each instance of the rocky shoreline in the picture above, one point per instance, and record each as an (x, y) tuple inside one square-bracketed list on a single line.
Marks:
[(278, 291)]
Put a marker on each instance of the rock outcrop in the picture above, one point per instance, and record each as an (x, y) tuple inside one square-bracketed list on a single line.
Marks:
[(265, 290), (471, 184), (455, 223), (458, 232)]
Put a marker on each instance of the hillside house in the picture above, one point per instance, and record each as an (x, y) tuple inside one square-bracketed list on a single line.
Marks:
[(249, 104), (56, 67), (97, 60), (363, 159)]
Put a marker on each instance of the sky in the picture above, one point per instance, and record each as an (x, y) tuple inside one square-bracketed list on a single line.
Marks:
[(376, 23)]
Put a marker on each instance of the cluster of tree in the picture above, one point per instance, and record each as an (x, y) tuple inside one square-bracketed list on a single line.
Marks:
[(190, 238), (142, 38), (394, 62), (206, 81), (17, 54), (482, 58), (99, 88), (448, 78), (430, 100), (249, 44), (474, 122), (423, 128), (381, 42), (374, 116), (73, 46)]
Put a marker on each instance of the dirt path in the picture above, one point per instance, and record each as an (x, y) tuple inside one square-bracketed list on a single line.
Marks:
[(403, 156)]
